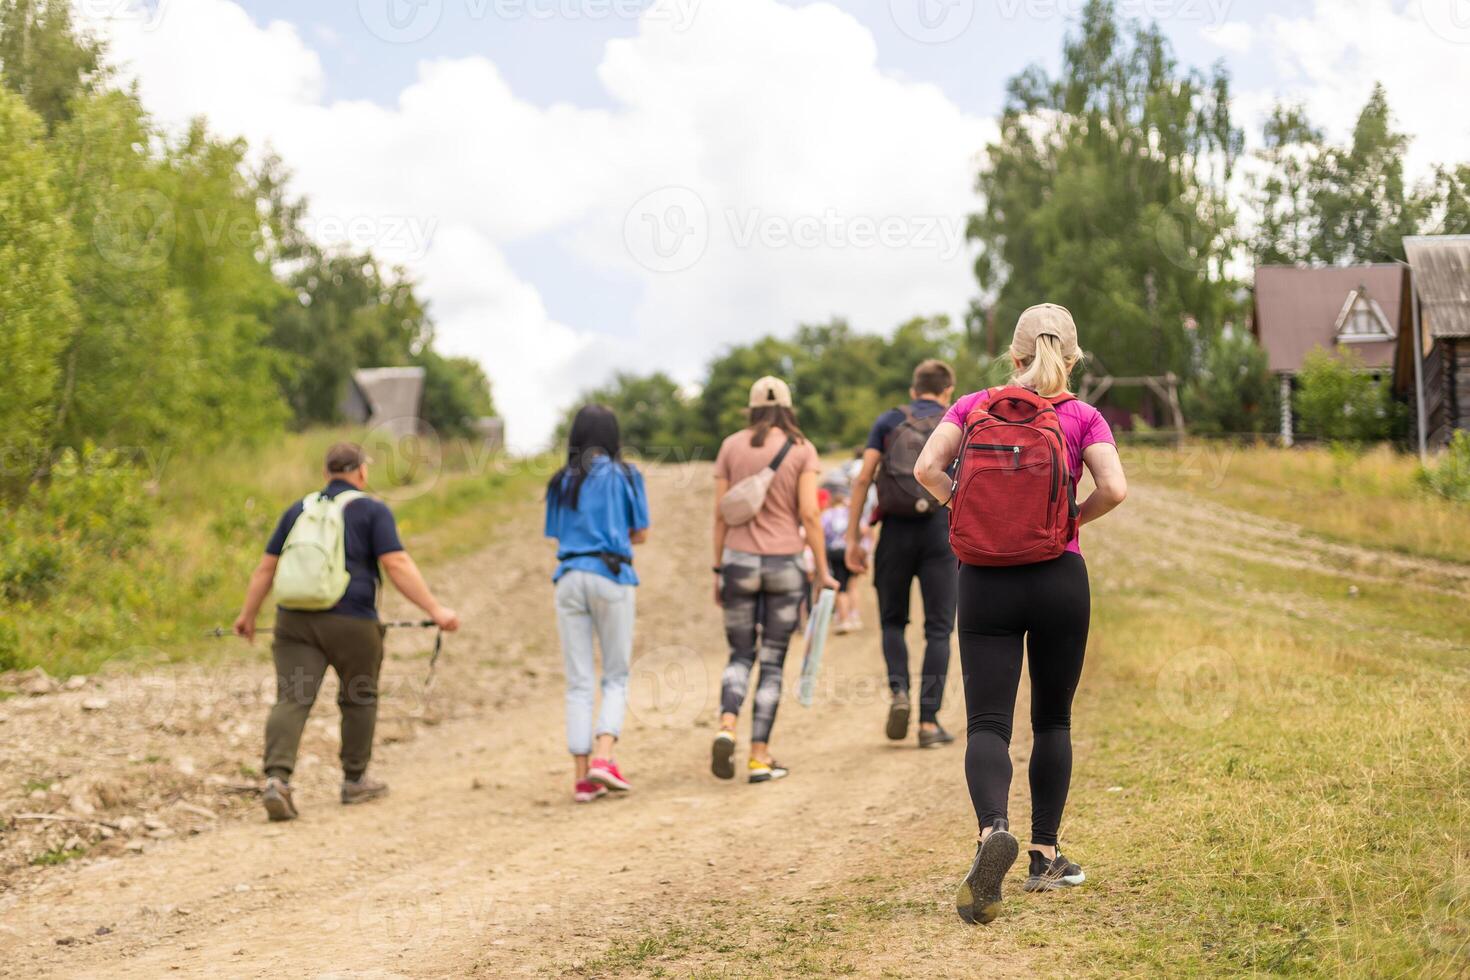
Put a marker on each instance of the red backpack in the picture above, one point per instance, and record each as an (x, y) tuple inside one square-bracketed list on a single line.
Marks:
[(1014, 503)]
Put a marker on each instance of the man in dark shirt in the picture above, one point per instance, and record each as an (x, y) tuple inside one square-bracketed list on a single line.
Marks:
[(347, 638), (909, 547)]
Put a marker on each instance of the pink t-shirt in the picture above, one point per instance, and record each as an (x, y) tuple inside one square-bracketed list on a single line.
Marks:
[(1082, 425)]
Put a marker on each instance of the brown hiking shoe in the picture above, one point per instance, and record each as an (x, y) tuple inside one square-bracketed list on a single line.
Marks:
[(363, 789), (277, 800)]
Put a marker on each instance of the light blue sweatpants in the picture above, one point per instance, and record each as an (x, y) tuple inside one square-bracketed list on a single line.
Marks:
[(589, 605)]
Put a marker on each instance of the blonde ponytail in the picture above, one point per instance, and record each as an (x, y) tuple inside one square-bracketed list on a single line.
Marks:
[(1047, 370)]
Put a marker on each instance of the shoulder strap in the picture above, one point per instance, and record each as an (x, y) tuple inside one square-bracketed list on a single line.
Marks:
[(1062, 399), (775, 464), (907, 411), (348, 496)]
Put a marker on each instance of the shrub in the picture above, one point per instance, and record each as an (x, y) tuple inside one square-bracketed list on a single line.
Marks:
[(1450, 476), (1339, 402), (1233, 393)]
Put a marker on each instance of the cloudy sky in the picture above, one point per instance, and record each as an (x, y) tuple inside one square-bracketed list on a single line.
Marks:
[(582, 186)]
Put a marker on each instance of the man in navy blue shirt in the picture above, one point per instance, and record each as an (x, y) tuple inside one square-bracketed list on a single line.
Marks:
[(347, 638), (910, 545)]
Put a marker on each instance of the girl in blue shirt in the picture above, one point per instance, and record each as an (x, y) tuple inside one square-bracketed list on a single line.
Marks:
[(596, 509)]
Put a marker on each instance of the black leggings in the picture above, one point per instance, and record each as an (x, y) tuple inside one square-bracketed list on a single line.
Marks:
[(1048, 605)]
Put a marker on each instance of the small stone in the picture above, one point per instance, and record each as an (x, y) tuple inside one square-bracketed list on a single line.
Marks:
[(242, 887), (80, 805), (38, 794), (476, 784), (161, 833), (95, 704), (185, 765), (66, 940), (1352, 590), (710, 862), (76, 682), (102, 931), (36, 682), (73, 843), (127, 824), (1115, 789), (136, 846), (153, 823)]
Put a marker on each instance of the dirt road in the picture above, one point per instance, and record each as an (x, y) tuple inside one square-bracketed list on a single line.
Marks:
[(478, 864)]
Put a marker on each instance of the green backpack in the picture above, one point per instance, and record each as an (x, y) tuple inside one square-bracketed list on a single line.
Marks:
[(311, 574)]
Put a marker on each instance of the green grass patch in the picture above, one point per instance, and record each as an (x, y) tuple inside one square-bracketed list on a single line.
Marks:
[(89, 594), (57, 855), (1375, 499)]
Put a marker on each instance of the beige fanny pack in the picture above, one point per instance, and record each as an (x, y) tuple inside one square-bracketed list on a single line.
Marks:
[(744, 500)]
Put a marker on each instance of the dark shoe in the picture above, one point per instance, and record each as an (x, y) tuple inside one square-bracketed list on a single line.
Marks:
[(764, 772), (277, 800), (979, 896), (1050, 874), (722, 756), (898, 717), (928, 739), (362, 790)]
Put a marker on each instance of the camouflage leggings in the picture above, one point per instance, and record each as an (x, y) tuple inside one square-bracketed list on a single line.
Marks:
[(762, 598)]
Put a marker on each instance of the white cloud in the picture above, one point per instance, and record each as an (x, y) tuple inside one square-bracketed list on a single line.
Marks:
[(828, 186), (1330, 57), (1232, 35)]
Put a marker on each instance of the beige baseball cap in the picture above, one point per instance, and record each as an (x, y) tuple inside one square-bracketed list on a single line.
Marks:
[(1047, 318), (770, 391)]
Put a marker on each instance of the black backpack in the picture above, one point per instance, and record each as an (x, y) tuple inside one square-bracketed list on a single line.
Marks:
[(899, 494)]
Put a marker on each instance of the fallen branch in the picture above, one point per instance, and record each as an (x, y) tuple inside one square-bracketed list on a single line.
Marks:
[(63, 818)]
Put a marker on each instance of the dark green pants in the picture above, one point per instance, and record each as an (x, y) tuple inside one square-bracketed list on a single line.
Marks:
[(305, 645)]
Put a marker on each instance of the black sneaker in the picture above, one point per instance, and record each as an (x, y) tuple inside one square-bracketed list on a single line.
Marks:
[(928, 739), (722, 756), (898, 717), (979, 897), (1049, 874)]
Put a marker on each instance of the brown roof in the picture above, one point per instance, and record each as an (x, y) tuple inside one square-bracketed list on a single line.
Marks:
[(1442, 277), (1298, 309)]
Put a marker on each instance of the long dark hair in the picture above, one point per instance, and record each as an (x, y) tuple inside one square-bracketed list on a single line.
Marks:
[(768, 417), (594, 434)]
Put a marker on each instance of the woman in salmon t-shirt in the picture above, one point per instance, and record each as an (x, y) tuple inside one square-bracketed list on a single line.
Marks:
[(1042, 608), (759, 577)]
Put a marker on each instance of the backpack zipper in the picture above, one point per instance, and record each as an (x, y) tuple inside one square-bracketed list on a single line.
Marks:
[(1015, 451)]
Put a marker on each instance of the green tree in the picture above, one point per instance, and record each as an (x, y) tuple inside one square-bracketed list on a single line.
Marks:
[(36, 307), (1339, 401), (1233, 391), (1106, 192), (1287, 225), (1364, 207), (346, 313), (44, 59), (654, 413), (456, 393)]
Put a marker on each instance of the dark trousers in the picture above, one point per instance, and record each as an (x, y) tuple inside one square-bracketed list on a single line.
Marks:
[(909, 549), (1046, 606), (305, 645)]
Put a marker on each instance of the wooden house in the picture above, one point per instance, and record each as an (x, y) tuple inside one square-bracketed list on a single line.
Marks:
[(1438, 385), (1297, 309)]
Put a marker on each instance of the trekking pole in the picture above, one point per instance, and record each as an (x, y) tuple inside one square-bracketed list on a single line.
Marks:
[(220, 631)]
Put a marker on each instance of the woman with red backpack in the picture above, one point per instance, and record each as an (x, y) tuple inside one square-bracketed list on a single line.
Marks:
[(1017, 454)]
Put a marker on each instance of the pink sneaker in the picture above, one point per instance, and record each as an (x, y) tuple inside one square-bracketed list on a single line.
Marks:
[(586, 791), (604, 772)]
